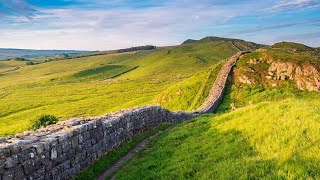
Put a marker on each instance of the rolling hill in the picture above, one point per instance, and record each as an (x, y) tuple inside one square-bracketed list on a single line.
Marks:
[(6, 53), (266, 127), (272, 133), (100, 84)]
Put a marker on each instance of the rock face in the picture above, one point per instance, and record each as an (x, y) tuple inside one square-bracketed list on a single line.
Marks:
[(254, 61), (245, 80), (306, 76)]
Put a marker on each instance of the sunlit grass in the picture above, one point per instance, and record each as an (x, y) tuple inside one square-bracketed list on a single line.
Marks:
[(88, 87), (266, 140), (273, 134)]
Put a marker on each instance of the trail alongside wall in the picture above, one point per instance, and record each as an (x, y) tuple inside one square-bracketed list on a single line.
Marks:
[(62, 150)]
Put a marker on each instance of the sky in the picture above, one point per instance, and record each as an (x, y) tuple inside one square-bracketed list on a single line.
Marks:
[(114, 24)]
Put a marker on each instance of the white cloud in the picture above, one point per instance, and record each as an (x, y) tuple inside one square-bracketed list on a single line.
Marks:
[(113, 28), (167, 23), (294, 4)]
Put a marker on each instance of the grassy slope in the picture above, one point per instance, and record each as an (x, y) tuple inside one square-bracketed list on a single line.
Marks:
[(243, 95), (6, 66), (276, 137), (56, 87), (266, 140)]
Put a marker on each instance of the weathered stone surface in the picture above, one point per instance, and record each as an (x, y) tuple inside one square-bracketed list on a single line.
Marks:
[(254, 61), (219, 87), (54, 154), (11, 161), (245, 80), (28, 166), (306, 76), (8, 175)]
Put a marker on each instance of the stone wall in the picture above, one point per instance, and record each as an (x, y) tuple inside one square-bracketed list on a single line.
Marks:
[(60, 151), (219, 87)]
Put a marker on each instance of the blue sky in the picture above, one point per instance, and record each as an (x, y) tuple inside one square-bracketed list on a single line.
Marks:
[(112, 24)]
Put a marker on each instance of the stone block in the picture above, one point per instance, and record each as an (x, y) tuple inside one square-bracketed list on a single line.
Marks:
[(11, 161), (28, 166), (54, 154), (8, 174)]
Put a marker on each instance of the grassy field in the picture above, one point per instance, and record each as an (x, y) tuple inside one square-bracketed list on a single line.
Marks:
[(267, 140), (7, 66), (101, 84), (273, 134)]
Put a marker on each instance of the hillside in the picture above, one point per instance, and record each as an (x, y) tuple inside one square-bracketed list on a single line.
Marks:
[(271, 134), (101, 84), (31, 53), (297, 48), (239, 44)]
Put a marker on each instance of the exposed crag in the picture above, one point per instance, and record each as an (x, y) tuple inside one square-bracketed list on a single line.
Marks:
[(274, 66), (305, 76)]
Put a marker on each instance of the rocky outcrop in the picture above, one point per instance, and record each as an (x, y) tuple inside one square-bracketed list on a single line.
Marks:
[(254, 61), (306, 76), (245, 80)]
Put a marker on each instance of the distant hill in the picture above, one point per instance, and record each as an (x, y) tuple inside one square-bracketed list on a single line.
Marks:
[(292, 45), (138, 48), (31, 53), (297, 48), (239, 44)]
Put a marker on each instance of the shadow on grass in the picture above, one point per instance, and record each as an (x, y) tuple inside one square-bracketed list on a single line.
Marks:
[(94, 170), (198, 150)]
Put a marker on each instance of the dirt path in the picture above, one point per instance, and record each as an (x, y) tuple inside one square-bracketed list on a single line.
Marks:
[(125, 158)]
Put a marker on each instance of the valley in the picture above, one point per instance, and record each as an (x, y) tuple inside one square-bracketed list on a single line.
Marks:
[(265, 126), (97, 85)]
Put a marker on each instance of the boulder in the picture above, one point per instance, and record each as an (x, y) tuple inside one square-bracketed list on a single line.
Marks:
[(269, 77), (245, 80)]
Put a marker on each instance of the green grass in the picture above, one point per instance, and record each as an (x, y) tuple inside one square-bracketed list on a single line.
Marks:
[(6, 66), (98, 85), (97, 71), (267, 140), (189, 94), (243, 95), (107, 160), (101, 73), (273, 134)]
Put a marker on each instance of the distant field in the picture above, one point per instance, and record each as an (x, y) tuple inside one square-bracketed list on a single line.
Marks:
[(101, 84), (6, 66), (31, 53)]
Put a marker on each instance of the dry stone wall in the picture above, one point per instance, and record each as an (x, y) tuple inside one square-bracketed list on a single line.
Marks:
[(62, 150), (218, 89)]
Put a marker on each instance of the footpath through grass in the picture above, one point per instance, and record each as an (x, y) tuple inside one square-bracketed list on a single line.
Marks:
[(107, 160)]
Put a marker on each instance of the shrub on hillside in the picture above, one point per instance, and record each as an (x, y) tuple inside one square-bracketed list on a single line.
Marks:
[(44, 120), (30, 63)]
